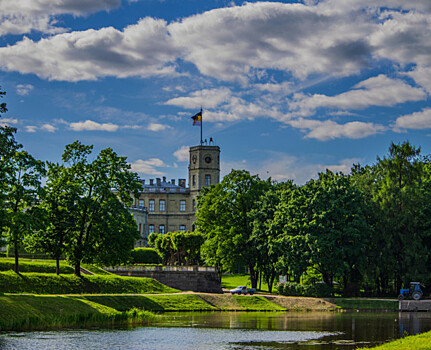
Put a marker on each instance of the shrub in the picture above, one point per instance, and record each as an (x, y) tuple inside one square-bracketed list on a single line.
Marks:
[(146, 256)]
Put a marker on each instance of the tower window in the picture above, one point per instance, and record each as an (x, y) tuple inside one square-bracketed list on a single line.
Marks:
[(207, 180), (150, 228), (194, 180), (162, 229), (162, 205), (141, 203), (194, 204), (182, 227), (182, 205)]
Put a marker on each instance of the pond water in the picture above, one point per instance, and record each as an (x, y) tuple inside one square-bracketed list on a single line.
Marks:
[(235, 330)]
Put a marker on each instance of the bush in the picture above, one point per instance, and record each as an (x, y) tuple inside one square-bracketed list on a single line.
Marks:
[(319, 290), (146, 256)]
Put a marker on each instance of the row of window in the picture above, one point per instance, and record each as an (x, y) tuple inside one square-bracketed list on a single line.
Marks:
[(162, 228), (162, 204), (207, 180)]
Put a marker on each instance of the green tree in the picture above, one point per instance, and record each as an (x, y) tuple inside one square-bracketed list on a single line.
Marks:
[(57, 220), (179, 247), (400, 200), (223, 217), (23, 187), (267, 236), (327, 215), (97, 194)]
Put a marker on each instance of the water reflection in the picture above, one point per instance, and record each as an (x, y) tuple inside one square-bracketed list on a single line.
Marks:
[(235, 330)]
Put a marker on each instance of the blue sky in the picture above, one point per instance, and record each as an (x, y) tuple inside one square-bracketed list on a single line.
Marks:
[(288, 88)]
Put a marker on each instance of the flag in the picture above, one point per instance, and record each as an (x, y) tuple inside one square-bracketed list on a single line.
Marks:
[(197, 119)]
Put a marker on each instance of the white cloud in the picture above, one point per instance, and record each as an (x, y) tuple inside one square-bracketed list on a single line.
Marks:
[(143, 49), (24, 16), (90, 125), (418, 120), (24, 89), (48, 127), (328, 129), (376, 91), (158, 127), (203, 98), (30, 128), (148, 167), (8, 121), (182, 154)]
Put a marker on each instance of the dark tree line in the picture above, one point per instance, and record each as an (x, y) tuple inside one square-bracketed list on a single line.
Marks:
[(368, 230)]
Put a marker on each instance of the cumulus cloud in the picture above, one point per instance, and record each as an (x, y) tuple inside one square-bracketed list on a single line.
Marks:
[(142, 49), (148, 167), (24, 89), (375, 91), (8, 121), (48, 127), (209, 98), (328, 129), (418, 120), (30, 128), (24, 16), (90, 125), (158, 127), (231, 43), (182, 154)]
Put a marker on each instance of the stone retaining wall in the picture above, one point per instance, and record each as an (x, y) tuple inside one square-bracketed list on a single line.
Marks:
[(186, 278)]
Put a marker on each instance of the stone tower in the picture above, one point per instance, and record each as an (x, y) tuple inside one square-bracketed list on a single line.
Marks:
[(204, 169)]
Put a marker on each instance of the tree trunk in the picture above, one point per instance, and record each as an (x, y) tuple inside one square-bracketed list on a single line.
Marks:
[(253, 279), (16, 267), (78, 268), (57, 266)]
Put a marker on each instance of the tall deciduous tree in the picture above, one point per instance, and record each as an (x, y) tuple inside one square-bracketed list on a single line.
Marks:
[(93, 201), (327, 215), (224, 218), (267, 235)]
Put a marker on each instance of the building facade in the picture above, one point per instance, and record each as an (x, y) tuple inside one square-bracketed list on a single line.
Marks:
[(167, 206)]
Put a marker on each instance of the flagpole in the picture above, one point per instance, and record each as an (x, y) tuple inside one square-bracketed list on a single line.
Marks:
[(202, 121)]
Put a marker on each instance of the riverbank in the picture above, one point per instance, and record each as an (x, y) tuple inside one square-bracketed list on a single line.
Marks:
[(414, 342), (38, 312), (27, 312)]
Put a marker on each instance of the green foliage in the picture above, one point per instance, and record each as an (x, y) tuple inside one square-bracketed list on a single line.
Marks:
[(179, 248), (85, 208), (223, 217), (145, 256), (39, 283)]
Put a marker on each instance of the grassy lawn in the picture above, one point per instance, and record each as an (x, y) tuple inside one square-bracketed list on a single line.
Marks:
[(366, 304), (414, 342), (48, 283), (232, 281)]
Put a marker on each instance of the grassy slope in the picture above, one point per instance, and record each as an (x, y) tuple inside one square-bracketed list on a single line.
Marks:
[(415, 342), (30, 312), (366, 304), (44, 283)]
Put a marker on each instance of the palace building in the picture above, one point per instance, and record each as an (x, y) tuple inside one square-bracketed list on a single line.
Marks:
[(167, 206)]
